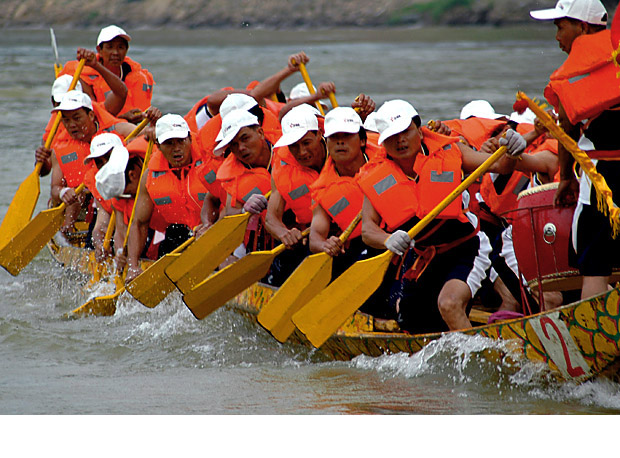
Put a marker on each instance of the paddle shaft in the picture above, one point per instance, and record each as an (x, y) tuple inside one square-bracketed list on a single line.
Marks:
[(308, 81)]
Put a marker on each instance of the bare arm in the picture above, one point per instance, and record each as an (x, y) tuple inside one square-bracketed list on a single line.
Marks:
[(139, 229), (320, 241), (115, 100), (372, 234), (271, 84), (273, 220)]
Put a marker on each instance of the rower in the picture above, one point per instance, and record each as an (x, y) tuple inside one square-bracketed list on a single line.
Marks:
[(170, 187), (592, 121), (436, 278), (83, 120), (112, 47), (245, 172), (337, 198)]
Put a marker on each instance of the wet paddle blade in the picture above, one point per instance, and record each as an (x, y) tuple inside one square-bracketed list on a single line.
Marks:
[(319, 318), (99, 306), (22, 207), (152, 286), (309, 279), (22, 248), (216, 290), (209, 251)]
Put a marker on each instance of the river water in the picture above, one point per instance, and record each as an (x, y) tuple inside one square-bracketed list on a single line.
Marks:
[(162, 360)]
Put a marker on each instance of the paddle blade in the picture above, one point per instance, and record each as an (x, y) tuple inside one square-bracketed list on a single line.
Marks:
[(308, 280), (209, 251), (22, 248), (152, 286), (324, 314), (99, 306), (21, 209), (216, 290)]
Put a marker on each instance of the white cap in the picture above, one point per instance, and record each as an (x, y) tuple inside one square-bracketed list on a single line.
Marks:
[(590, 11), (295, 124), (300, 90), (110, 32), (233, 123), (370, 123), (528, 117), (235, 101), (110, 179), (61, 86), (73, 100), (393, 117), (101, 144), (171, 126), (479, 109), (342, 119)]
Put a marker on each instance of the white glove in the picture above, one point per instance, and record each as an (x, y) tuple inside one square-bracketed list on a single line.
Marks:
[(255, 204), (398, 242), (514, 142)]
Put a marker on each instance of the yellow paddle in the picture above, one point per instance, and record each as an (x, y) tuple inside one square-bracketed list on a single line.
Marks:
[(106, 305), (308, 280), (219, 288), (324, 314), (27, 243), (308, 81), (152, 286), (25, 200), (98, 267), (209, 251)]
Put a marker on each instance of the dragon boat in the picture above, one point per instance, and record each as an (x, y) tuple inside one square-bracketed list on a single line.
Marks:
[(577, 342)]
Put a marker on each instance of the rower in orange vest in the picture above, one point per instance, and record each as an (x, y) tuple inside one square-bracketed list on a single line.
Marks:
[(171, 186), (111, 67), (438, 276)]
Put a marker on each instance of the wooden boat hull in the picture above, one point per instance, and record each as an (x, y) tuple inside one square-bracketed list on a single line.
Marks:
[(577, 341)]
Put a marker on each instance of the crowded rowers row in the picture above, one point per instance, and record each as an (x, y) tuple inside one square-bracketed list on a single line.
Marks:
[(239, 150)]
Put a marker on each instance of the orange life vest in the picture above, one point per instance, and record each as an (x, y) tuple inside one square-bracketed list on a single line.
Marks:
[(240, 182), (190, 117), (274, 107), (586, 83), (61, 134), (439, 174), (71, 153), (293, 182), (341, 197), (178, 200), (139, 82), (89, 181), (475, 130)]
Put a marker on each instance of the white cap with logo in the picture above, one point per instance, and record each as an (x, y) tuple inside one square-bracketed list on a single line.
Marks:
[(342, 119), (171, 126), (110, 179), (73, 100), (61, 86), (393, 117), (590, 11), (102, 144), (110, 32), (479, 109), (232, 102), (233, 123), (295, 124)]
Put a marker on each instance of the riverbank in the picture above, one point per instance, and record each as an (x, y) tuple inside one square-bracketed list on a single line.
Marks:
[(267, 13)]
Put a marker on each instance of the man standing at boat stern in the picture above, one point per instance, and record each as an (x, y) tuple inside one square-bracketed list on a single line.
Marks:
[(586, 94)]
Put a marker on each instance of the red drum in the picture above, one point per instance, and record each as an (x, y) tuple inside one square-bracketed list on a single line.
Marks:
[(541, 238)]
